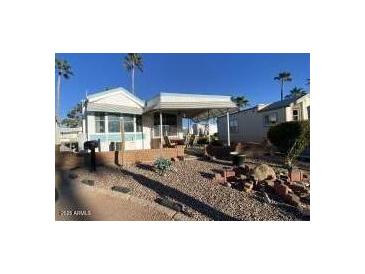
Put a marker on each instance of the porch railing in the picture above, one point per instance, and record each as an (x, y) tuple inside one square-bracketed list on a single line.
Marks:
[(166, 130)]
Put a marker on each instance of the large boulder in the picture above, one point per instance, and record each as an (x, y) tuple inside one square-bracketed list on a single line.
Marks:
[(263, 172)]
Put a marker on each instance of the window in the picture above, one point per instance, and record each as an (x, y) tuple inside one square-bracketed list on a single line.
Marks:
[(99, 123), (271, 119), (139, 123), (295, 114), (114, 123), (169, 124), (233, 125), (128, 123)]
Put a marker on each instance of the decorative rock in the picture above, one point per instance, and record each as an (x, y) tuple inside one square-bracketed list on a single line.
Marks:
[(263, 172), (243, 177), (281, 190), (305, 211), (229, 173), (270, 183), (88, 182), (248, 187), (278, 182), (288, 183), (305, 198), (246, 169), (120, 189), (293, 199), (238, 171), (219, 179)]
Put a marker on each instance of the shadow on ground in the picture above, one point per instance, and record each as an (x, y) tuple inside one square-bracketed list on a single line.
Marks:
[(180, 197), (67, 201)]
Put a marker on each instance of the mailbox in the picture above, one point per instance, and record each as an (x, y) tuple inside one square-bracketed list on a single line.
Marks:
[(92, 145)]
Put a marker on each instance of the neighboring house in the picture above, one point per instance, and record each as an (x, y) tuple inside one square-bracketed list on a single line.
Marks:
[(145, 123), (68, 138), (251, 125), (204, 128)]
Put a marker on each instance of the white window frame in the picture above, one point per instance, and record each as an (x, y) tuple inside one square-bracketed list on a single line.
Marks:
[(271, 121), (298, 114), (99, 118)]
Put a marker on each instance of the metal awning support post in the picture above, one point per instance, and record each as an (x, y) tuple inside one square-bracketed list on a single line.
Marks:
[(228, 133), (161, 129), (208, 128)]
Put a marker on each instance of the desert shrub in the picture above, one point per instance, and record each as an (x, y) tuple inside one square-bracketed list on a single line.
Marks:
[(216, 142), (162, 165), (285, 135), (299, 146), (203, 140)]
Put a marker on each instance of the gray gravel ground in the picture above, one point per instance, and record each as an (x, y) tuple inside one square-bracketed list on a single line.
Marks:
[(190, 184)]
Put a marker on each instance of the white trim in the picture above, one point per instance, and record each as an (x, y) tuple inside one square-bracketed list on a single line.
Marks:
[(135, 99)]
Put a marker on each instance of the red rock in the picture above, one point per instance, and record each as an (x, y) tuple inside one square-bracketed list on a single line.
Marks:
[(219, 179), (229, 173), (295, 175), (281, 189)]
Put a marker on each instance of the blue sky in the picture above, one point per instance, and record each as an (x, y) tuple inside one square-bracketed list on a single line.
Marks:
[(251, 75)]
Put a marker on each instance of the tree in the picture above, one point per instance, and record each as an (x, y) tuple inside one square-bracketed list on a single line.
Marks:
[(240, 101), (131, 62), (63, 70), (283, 77), (74, 117), (296, 92)]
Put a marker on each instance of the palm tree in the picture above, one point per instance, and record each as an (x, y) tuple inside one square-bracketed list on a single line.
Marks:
[(240, 101), (296, 92), (131, 62), (63, 70), (283, 77)]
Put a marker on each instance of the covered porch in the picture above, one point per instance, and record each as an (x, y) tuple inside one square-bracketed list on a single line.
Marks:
[(170, 109)]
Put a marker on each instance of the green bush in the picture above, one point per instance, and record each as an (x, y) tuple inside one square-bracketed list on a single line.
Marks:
[(285, 135), (216, 142), (162, 165), (203, 140)]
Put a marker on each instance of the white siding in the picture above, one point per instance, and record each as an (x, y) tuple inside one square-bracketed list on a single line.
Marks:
[(90, 124), (250, 127), (165, 97), (118, 99), (147, 123)]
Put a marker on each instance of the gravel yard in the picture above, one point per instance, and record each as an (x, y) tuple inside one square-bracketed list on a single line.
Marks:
[(190, 183)]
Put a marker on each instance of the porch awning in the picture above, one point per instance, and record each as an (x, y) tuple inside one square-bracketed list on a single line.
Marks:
[(113, 108), (197, 107)]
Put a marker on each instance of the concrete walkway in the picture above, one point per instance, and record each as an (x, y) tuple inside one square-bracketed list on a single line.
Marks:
[(79, 202)]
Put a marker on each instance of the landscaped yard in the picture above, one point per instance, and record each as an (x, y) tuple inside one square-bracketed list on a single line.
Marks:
[(191, 184)]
